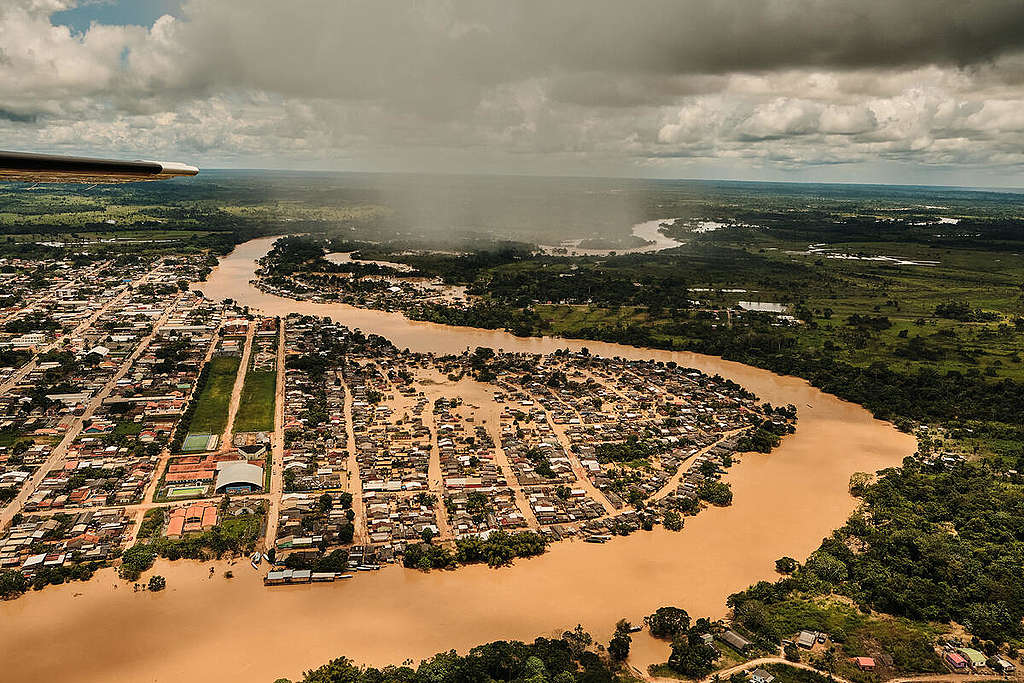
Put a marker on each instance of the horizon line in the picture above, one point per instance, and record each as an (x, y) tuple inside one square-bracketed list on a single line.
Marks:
[(1008, 189)]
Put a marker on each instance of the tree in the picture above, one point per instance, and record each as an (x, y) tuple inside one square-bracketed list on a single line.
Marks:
[(157, 583), (826, 567), (692, 657), (12, 583), (618, 646), (578, 640), (136, 560), (534, 670), (335, 561), (858, 483), (296, 561), (791, 652), (672, 521), (325, 503), (716, 492), (667, 622), (785, 565)]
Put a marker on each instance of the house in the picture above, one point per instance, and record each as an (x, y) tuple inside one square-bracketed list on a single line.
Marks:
[(864, 663), (735, 640), (806, 639), (975, 658), (1003, 666), (759, 675), (955, 661)]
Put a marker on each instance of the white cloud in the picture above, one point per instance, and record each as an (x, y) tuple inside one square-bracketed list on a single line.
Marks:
[(572, 85)]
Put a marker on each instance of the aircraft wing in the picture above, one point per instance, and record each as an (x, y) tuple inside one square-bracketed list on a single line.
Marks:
[(50, 168)]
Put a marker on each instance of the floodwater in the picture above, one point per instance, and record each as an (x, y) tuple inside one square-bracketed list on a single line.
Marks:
[(215, 629), (346, 257), (648, 230)]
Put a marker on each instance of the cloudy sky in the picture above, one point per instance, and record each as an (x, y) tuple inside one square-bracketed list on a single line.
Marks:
[(910, 91)]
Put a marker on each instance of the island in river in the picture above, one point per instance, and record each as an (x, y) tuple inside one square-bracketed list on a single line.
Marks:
[(204, 628)]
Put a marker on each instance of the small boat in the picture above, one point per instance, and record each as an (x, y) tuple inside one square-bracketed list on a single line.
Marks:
[(266, 558), (345, 576), (255, 560)]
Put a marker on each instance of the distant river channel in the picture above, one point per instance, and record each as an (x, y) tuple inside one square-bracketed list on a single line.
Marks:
[(215, 629)]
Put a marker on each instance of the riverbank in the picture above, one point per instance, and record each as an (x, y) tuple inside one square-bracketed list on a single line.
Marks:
[(225, 630)]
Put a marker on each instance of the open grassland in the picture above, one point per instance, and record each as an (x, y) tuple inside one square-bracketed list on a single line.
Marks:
[(256, 406), (911, 337), (211, 414)]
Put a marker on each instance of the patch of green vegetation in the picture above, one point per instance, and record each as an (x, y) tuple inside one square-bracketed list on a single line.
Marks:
[(136, 560), (127, 428), (931, 544), (500, 548), (567, 659), (236, 534), (854, 633), (256, 405), (10, 437), (152, 523), (790, 674), (211, 412)]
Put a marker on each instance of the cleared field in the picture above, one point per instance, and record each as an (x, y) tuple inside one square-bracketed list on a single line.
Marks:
[(211, 414), (256, 406)]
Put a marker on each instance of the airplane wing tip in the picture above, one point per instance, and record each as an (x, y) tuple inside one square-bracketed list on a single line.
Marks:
[(53, 168)]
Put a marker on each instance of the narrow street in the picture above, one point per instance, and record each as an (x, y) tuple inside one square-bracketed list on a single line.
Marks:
[(355, 486), (435, 480), (493, 427), (577, 467), (673, 483), (277, 445)]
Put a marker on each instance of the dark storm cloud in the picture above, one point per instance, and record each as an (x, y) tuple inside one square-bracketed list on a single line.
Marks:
[(538, 86), (15, 117), (716, 36), (439, 56)]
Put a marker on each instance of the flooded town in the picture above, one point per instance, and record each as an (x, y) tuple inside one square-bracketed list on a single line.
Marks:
[(523, 342), (249, 447), (149, 412)]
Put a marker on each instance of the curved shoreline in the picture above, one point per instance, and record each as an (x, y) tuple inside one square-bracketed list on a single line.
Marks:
[(221, 630)]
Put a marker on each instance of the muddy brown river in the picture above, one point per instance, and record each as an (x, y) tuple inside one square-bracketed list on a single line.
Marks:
[(216, 629)]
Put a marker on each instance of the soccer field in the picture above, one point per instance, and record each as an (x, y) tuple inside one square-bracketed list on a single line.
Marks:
[(196, 443), (186, 492)]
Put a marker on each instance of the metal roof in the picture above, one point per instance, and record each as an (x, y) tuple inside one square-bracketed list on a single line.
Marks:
[(238, 473)]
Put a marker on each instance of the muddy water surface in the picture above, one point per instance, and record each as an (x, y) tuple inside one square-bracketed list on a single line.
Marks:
[(215, 629)]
